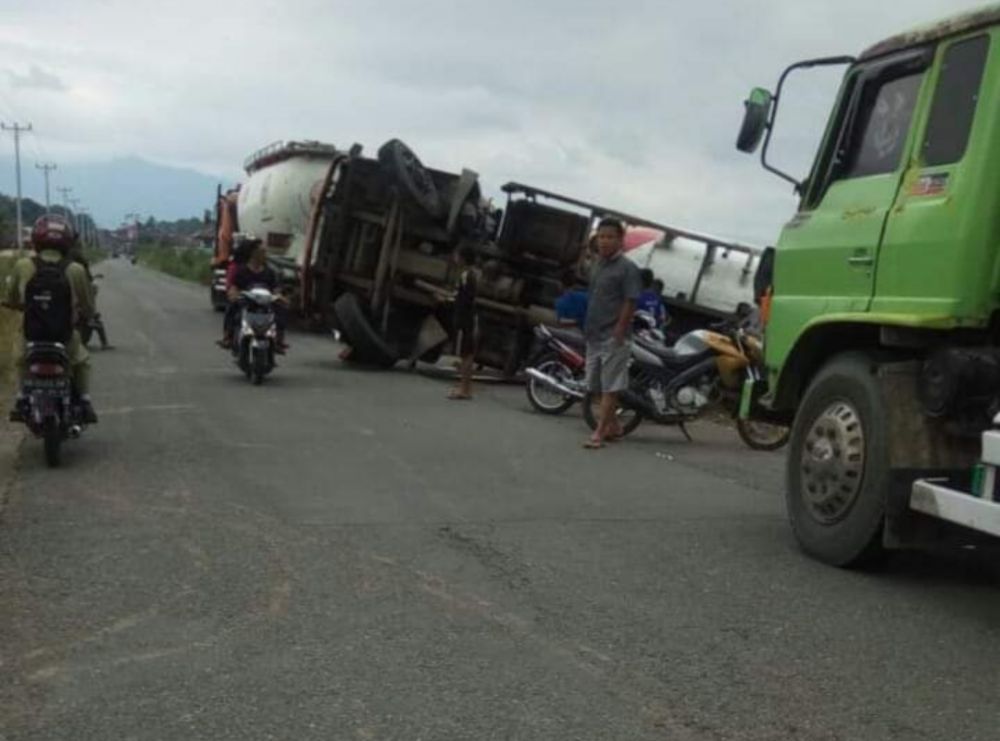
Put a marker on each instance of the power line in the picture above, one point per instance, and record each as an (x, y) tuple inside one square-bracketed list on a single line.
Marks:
[(17, 129), (46, 169)]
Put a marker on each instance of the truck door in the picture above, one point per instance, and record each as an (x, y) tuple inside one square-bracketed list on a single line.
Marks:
[(936, 257), (829, 251)]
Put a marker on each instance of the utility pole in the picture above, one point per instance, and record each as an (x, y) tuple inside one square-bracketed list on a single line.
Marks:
[(65, 198), (90, 228), (46, 169), (84, 223), (75, 221), (17, 129)]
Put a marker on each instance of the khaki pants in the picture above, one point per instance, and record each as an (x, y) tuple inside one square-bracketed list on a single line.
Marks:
[(79, 361)]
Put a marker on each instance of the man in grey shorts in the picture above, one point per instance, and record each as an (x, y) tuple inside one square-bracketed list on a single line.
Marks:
[(615, 285)]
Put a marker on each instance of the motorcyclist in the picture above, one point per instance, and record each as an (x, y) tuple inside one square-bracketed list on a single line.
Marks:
[(255, 272), (244, 245), (53, 238)]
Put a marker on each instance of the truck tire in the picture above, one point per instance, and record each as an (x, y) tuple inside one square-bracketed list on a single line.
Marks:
[(368, 346), (406, 169), (837, 472)]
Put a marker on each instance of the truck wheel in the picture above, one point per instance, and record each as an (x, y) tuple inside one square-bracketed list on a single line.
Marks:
[(837, 471), (368, 346), (408, 171)]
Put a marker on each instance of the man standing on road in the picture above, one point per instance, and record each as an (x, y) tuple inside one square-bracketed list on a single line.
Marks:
[(614, 287)]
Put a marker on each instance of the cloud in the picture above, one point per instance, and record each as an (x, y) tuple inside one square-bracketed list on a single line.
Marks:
[(634, 104), (37, 79)]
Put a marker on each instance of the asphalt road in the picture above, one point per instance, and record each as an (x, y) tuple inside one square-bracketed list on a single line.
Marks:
[(347, 555)]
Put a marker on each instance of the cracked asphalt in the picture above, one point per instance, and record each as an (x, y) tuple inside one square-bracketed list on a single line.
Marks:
[(346, 555)]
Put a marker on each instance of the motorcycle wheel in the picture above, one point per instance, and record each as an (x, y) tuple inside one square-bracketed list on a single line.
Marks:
[(53, 443), (544, 399), (259, 368), (629, 418), (762, 435)]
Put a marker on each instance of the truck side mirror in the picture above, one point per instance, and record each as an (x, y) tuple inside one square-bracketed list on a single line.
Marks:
[(755, 120)]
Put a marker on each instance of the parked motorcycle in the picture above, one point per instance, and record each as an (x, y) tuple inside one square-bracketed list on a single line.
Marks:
[(49, 407), (676, 385), (255, 343), (556, 371)]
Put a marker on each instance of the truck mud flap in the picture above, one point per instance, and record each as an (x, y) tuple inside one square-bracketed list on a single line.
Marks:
[(919, 448)]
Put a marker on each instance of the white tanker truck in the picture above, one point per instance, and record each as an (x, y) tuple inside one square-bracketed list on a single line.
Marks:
[(364, 244)]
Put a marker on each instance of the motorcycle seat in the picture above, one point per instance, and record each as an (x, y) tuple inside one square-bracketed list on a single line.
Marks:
[(569, 335)]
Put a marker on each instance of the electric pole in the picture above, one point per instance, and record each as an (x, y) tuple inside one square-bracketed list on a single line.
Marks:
[(83, 217), (65, 198), (46, 169), (74, 220), (17, 129)]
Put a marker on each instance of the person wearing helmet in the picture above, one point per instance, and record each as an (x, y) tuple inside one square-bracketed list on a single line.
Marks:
[(53, 238), (244, 245)]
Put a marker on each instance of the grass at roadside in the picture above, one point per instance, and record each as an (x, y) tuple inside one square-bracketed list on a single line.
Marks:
[(9, 321), (186, 263)]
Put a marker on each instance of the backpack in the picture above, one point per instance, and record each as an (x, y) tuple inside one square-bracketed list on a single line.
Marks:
[(48, 303)]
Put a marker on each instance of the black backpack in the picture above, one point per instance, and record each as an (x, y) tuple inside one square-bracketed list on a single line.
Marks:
[(48, 303)]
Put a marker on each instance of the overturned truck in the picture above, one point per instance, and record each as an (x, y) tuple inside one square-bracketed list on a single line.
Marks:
[(365, 245)]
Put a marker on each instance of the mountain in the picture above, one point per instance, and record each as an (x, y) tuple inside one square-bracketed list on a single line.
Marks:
[(116, 187)]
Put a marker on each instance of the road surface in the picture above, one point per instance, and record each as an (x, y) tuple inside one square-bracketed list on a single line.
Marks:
[(346, 555)]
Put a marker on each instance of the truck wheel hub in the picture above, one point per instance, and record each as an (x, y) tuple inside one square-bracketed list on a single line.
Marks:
[(832, 464)]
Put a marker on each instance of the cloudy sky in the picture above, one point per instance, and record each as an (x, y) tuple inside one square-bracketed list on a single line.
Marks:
[(633, 103)]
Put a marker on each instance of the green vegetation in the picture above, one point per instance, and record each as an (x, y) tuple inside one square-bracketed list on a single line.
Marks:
[(30, 210), (188, 263), (94, 255), (9, 322)]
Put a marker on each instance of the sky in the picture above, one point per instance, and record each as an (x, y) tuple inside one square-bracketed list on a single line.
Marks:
[(634, 104)]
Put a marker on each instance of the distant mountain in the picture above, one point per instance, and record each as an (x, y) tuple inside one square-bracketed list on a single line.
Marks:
[(114, 188)]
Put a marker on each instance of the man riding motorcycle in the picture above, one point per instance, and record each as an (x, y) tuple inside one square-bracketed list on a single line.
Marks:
[(53, 238)]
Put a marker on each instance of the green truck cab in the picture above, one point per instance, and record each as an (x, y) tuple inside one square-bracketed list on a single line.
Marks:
[(883, 335)]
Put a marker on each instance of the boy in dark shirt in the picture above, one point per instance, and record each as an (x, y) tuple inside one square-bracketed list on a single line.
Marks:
[(571, 306), (466, 322)]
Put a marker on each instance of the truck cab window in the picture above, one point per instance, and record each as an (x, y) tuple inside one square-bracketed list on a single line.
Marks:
[(875, 144), (955, 100)]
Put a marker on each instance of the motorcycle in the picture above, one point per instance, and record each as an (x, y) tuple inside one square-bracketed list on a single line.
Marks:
[(255, 343), (49, 408), (676, 385), (557, 370)]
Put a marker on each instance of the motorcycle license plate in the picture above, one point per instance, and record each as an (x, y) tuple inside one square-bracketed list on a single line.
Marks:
[(45, 384)]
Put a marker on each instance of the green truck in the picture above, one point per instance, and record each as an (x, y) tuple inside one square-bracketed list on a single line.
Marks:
[(883, 331)]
